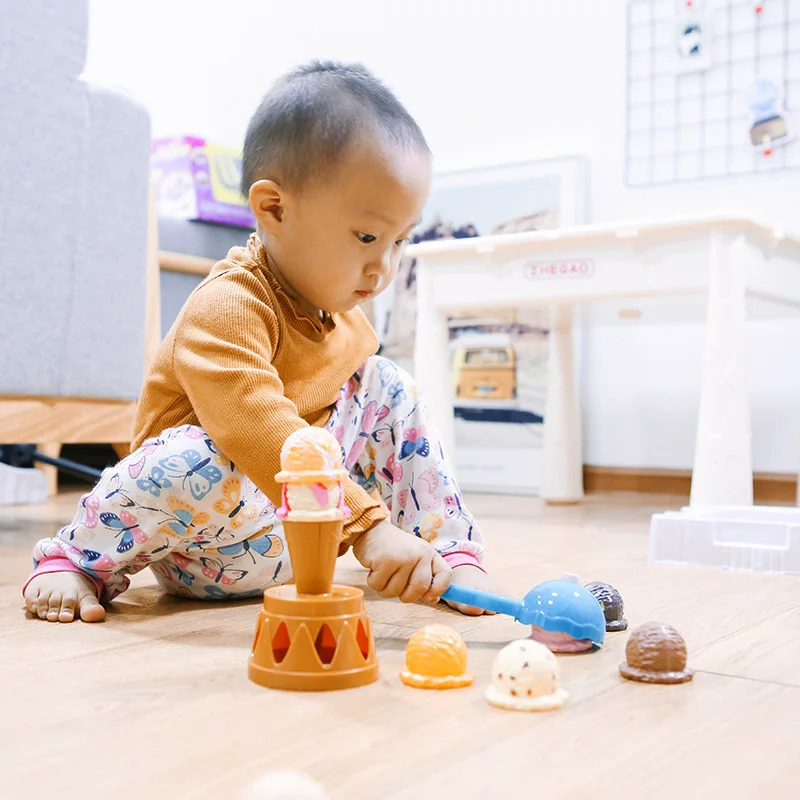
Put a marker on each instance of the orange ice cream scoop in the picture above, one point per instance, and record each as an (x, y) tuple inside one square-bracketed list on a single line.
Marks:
[(313, 477), (436, 658), (311, 455)]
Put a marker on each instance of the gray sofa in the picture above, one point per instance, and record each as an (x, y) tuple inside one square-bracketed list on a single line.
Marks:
[(74, 162)]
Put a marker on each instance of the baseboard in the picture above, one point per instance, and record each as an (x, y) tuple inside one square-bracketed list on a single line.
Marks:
[(768, 487)]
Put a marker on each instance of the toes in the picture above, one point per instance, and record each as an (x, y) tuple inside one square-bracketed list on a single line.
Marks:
[(54, 607), (32, 600), (67, 611), (42, 606), (91, 610)]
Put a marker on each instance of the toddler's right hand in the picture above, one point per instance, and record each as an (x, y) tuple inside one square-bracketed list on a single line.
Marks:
[(402, 565)]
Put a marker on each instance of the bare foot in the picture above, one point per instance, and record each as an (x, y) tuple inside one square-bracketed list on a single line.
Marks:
[(61, 596)]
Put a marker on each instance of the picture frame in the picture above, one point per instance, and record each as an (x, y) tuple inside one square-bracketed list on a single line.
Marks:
[(499, 357), (504, 197)]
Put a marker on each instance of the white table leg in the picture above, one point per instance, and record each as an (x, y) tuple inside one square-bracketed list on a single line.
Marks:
[(562, 481), (723, 472), (432, 368)]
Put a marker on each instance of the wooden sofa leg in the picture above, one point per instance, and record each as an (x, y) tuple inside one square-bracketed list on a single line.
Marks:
[(52, 449)]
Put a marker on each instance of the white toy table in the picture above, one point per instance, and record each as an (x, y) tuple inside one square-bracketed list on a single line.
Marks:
[(723, 267)]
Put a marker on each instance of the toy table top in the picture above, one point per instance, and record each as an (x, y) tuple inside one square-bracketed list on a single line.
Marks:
[(609, 232), (618, 271)]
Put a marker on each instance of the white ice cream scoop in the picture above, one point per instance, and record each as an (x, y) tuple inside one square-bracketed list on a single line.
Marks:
[(525, 677)]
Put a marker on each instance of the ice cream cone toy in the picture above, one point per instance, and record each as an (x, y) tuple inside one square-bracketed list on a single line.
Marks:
[(562, 614), (436, 658), (313, 635), (313, 506)]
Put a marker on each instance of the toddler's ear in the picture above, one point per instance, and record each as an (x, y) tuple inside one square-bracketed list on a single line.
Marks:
[(267, 202)]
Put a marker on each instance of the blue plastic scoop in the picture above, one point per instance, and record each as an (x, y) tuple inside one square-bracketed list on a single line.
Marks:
[(561, 606)]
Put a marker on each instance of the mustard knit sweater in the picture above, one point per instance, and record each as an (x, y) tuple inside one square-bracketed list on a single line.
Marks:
[(250, 366)]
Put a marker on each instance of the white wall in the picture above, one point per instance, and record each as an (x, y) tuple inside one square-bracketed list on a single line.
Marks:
[(489, 82)]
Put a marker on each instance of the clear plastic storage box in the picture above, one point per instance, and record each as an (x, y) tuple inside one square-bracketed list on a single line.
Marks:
[(754, 538)]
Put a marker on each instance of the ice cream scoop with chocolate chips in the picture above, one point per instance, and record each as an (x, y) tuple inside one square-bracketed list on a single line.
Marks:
[(525, 677)]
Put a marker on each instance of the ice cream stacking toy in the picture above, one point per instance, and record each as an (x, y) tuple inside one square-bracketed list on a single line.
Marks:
[(313, 635)]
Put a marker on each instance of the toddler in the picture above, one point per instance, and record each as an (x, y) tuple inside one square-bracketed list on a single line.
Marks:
[(337, 174)]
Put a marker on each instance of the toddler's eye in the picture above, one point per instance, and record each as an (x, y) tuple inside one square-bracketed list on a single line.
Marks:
[(365, 238), (402, 242)]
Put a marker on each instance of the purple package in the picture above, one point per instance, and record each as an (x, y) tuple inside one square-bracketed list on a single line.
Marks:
[(195, 179)]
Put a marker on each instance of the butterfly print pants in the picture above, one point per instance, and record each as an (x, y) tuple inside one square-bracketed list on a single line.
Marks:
[(180, 507)]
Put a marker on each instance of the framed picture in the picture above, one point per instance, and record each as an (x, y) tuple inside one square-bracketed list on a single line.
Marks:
[(504, 198), (499, 357)]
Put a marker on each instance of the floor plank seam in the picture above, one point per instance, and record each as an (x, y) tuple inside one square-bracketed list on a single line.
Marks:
[(748, 627), (764, 681)]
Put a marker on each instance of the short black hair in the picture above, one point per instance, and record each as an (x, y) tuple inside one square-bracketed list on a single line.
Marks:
[(309, 117)]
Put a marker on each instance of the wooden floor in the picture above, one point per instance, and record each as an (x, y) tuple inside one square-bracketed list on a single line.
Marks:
[(155, 702)]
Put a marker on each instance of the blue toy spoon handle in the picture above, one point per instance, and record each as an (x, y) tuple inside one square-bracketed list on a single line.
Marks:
[(485, 600)]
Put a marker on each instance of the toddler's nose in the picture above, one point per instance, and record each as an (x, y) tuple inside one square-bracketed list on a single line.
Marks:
[(380, 267)]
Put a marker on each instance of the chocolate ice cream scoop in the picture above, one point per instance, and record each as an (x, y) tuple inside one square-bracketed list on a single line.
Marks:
[(656, 653), (611, 602)]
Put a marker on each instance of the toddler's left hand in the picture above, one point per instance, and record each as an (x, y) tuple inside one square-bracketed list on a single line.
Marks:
[(466, 575)]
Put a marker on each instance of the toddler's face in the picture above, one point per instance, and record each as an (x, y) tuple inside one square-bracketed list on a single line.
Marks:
[(339, 242)]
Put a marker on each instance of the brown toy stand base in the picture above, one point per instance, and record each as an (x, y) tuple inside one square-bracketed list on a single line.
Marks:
[(313, 636), (313, 642)]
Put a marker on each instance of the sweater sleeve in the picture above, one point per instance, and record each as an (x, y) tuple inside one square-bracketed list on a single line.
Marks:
[(224, 348)]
